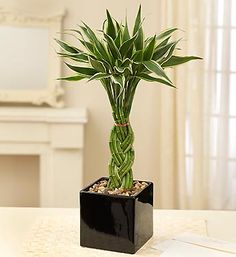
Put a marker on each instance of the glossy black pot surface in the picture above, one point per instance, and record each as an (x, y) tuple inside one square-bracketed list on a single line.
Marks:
[(114, 222)]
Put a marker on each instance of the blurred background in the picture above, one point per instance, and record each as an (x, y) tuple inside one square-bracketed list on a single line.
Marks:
[(185, 139)]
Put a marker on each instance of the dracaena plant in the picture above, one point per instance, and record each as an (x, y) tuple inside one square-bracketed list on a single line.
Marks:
[(120, 59)]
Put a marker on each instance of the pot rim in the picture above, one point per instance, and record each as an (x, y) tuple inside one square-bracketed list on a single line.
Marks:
[(86, 190)]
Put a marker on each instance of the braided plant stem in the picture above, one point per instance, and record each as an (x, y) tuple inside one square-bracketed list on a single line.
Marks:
[(122, 153)]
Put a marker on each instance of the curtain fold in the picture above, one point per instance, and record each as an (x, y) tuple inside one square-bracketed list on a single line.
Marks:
[(194, 166)]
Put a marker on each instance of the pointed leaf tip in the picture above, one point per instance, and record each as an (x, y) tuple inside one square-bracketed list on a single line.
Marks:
[(140, 8), (149, 51), (166, 33), (149, 78), (82, 70), (137, 21), (111, 30), (138, 29), (73, 78), (177, 60), (66, 47), (156, 68)]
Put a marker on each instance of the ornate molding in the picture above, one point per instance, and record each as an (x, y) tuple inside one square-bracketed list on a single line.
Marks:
[(53, 93), (19, 17)]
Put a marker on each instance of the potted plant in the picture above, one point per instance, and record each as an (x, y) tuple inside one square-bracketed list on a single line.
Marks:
[(117, 211)]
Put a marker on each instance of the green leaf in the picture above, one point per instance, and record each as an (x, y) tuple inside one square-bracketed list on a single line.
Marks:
[(138, 56), (119, 70), (97, 65), (118, 39), (87, 34), (92, 46), (112, 46), (111, 30), (156, 68), (147, 41), (82, 70), (125, 34), (166, 33), (138, 30), (160, 52), (137, 20), (170, 53), (73, 78), (88, 45), (67, 47), (127, 45), (163, 43), (117, 25), (80, 57), (153, 79), (97, 55), (101, 50), (177, 60), (139, 40), (126, 62), (148, 52), (100, 76), (90, 33), (118, 80)]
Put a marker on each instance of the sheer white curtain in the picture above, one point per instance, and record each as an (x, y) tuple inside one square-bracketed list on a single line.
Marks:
[(200, 132), (221, 110)]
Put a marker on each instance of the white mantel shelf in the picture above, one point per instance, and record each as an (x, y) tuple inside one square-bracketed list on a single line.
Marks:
[(49, 115), (57, 137)]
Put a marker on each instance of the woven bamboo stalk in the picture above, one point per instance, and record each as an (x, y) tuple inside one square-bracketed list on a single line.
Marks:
[(122, 154)]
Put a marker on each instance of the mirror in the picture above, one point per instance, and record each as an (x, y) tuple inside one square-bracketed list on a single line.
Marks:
[(24, 57), (29, 66)]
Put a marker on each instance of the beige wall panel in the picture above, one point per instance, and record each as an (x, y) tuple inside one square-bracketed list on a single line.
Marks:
[(19, 181)]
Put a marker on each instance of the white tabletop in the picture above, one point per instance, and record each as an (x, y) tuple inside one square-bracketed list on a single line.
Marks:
[(15, 224)]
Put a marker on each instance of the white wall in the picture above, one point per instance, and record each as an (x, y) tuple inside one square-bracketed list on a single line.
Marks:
[(92, 95)]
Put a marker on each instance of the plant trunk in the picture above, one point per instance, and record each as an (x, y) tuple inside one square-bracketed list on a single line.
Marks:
[(122, 153)]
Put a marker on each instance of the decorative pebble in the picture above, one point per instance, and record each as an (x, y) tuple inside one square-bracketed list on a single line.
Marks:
[(100, 187)]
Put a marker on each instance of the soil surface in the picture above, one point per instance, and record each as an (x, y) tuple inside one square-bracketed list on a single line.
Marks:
[(101, 187)]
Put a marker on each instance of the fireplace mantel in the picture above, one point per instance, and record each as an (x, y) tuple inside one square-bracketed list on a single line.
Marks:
[(57, 137)]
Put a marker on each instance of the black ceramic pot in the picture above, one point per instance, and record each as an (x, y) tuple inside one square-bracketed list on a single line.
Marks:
[(114, 222)]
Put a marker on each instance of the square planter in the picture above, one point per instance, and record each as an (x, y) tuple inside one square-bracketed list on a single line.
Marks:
[(114, 222)]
